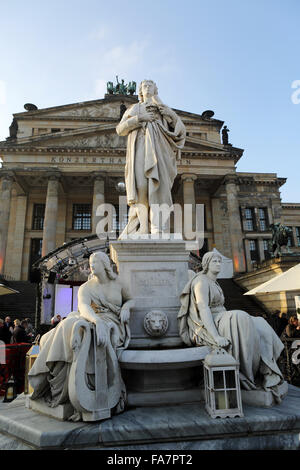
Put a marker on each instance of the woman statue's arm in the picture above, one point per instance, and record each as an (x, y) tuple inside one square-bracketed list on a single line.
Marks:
[(201, 291), (86, 311), (126, 307)]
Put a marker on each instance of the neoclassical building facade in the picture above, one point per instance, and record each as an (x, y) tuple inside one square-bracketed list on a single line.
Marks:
[(60, 163)]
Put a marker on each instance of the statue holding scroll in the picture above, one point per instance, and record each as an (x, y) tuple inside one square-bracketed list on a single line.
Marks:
[(156, 136)]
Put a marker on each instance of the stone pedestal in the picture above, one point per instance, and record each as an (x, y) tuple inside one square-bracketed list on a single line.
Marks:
[(156, 367), (154, 273)]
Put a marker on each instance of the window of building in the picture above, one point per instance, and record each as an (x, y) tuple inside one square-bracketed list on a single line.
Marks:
[(35, 251), (266, 244), (254, 255), (204, 249), (249, 219), (38, 217), (263, 219), (119, 225), (82, 216), (298, 235), (55, 130), (291, 238)]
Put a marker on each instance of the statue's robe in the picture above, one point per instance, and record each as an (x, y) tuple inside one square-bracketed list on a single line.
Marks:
[(50, 372), (158, 144), (253, 342)]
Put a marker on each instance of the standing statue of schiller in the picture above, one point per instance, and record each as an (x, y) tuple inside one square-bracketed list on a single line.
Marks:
[(156, 136)]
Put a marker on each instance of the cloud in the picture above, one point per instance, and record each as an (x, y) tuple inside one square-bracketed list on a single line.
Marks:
[(2, 92), (101, 33), (129, 59), (124, 60)]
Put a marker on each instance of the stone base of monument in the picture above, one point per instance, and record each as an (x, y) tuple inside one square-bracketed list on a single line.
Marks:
[(262, 397), (162, 377), (174, 427), (154, 272), (60, 412)]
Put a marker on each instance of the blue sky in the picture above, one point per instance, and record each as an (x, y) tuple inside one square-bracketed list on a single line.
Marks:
[(236, 57)]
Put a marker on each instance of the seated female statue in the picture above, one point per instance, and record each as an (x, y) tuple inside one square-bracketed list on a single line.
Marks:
[(204, 321), (59, 368)]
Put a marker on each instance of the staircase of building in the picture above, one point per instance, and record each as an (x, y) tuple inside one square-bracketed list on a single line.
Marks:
[(235, 300), (20, 305)]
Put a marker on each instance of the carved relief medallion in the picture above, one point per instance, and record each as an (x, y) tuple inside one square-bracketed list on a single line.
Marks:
[(156, 323)]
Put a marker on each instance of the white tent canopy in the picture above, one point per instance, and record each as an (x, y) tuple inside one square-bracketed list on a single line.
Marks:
[(289, 280)]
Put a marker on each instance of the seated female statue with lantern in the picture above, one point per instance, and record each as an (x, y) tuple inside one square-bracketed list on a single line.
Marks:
[(78, 360), (204, 321)]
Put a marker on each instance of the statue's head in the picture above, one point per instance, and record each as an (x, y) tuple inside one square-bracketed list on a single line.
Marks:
[(211, 261), (100, 265), (147, 88)]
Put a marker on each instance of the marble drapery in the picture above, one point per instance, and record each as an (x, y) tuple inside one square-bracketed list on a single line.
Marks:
[(50, 372), (155, 144), (252, 340)]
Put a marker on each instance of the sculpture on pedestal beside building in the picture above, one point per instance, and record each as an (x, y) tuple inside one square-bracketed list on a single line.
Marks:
[(204, 321), (280, 238), (78, 360), (156, 136)]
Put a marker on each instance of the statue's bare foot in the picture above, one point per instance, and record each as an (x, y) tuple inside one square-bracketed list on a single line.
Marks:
[(75, 417)]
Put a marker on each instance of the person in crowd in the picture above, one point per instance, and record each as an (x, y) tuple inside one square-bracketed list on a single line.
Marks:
[(9, 328), (6, 331), (278, 322), (283, 322), (55, 320), (19, 334), (29, 330), (292, 330), (2, 331)]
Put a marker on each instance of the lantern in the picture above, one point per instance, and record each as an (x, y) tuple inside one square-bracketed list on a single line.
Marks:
[(31, 356), (10, 390), (222, 385)]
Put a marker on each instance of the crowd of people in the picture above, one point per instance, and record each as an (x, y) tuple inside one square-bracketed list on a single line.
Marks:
[(18, 331), (285, 326)]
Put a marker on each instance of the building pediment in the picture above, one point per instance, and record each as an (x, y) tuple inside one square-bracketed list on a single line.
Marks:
[(109, 107), (104, 136)]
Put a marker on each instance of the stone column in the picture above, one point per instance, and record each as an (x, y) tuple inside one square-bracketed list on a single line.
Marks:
[(247, 255), (19, 232), (235, 228), (189, 198), (6, 183), (261, 249), (51, 209), (98, 198)]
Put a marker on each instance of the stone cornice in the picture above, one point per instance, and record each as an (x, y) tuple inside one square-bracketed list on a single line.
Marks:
[(251, 180), (290, 205), (109, 151), (67, 118)]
